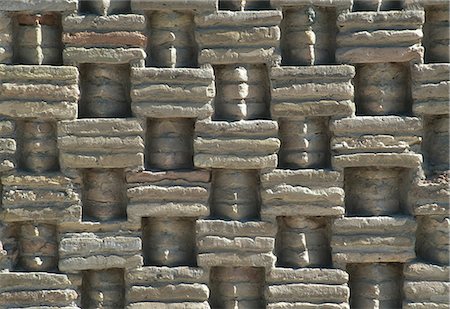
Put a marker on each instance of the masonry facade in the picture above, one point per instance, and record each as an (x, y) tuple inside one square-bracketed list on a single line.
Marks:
[(224, 154)]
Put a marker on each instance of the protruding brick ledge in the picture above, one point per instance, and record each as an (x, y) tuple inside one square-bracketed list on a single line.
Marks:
[(41, 6), (255, 40), (32, 288), (307, 287), (28, 197), (426, 286), (312, 91), (377, 37), (236, 145), (148, 193), (370, 141), (99, 250), (373, 240), (430, 88), (302, 192), (29, 91), (101, 143), (171, 93), (233, 243), (161, 286), (123, 43)]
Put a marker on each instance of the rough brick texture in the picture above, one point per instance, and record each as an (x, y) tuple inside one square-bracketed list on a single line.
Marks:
[(180, 154)]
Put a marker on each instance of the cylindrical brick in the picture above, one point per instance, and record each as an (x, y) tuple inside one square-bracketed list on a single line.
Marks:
[(104, 194), (377, 5), (105, 91), (104, 7), (304, 142), (382, 89), (237, 287), (436, 35), (169, 241), (235, 194), (433, 244), (38, 39), (244, 5), (103, 289), (38, 247), (242, 92), (436, 143), (37, 143), (169, 143), (372, 191), (172, 43), (375, 285), (51, 44), (308, 36), (303, 242), (27, 49)]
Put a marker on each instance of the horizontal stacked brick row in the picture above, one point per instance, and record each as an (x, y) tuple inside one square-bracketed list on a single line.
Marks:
[(224, 154)]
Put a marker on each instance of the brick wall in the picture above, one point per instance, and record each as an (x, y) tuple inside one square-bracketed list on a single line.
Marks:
[(225, 154)]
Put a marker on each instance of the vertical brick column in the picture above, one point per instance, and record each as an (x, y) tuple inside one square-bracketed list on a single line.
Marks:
[(240, 127), (375, 189), (36, 199), (37, 41), (374, 192), (104, 94), (172, 43), (302, 194), (104, 40), (28, 193), (429, 196), (169, 241), (242, 94), (38, 149), (171, 94)]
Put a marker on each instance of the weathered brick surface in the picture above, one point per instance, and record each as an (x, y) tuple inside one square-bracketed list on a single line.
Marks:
[(224, 154)]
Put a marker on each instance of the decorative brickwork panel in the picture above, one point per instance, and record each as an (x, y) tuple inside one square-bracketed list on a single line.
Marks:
[(178, 154)]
